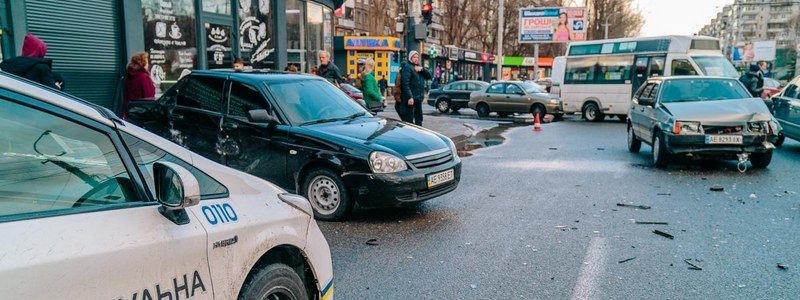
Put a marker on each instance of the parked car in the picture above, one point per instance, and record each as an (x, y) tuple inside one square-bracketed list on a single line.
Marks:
[(546, 82), (786, 109), (506, 97), (455, 95), (771, 87), (86, 197), (358, 96), (304, 135), (701, 117)]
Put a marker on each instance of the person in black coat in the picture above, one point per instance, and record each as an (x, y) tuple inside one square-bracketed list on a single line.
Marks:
[(753, 81), (383, 84), (328, 69), (31, 64), (412, 89)]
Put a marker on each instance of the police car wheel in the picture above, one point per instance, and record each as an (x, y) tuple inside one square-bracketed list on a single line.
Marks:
[(274, 282), (328, 195)]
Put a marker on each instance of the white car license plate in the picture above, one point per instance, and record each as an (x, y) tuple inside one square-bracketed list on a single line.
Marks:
[(724, 139), (441, 177)]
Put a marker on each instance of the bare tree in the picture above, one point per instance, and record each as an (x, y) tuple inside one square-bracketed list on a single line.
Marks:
[(623, 19)]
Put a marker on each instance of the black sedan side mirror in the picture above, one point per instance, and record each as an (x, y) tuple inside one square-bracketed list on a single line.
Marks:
[(260, 116)]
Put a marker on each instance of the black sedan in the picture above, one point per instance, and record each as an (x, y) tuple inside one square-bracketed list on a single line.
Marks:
[(455, 95), (305, 135)]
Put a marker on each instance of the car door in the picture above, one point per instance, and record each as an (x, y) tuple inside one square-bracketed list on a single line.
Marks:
[(786, 108), (461, 92), (78, 222), (495, 96), (516, 99), (252, 147), (637, 114), (648, 112), (197, 115)]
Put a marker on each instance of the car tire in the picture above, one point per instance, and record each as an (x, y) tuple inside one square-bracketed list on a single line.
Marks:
[(454, 109), (483, 110), (781, 139), (634, 143), (761, 160), (540, 109), (660, 153), (592, 113), (328, 195), (443, 105), (277, 281)]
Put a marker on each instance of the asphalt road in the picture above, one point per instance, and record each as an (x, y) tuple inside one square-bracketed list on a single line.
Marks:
[(537, 218)]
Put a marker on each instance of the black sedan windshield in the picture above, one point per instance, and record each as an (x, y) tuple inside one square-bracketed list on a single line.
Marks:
[(309, 101), (686, 90)]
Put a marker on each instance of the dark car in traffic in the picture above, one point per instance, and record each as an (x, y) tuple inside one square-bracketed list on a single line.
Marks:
[(305, 135), (786, 109), (455, 95), (701, 117)]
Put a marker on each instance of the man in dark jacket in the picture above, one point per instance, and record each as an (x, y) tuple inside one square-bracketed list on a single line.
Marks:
[(752, 81), (32, 64), (383, 84), (412, 88), (327, 69)]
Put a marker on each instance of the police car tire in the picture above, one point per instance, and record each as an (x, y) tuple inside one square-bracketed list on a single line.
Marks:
[(275, 278)]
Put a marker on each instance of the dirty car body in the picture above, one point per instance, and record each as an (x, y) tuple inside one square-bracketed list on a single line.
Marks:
[(701, 117), (306, 136)]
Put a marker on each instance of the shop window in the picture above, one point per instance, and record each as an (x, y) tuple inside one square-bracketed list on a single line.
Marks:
[(170, 38), (296, 32), (222, 7), (256, 32), (315, 32)]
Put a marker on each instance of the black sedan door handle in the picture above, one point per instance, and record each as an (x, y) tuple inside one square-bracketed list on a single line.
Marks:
[(230, 126)]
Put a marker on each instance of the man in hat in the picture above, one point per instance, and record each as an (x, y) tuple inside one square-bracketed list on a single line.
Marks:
[(412, 93)]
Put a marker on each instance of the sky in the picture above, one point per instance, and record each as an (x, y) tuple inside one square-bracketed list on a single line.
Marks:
[(681, 17)]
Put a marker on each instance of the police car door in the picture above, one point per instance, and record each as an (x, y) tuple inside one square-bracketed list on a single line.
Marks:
[(76, 220)]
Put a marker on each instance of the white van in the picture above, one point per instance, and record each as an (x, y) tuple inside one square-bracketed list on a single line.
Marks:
[(597, 78), (93, 207)]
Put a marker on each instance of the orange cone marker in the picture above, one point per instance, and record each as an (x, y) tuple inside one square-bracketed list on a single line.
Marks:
[(537, 126)]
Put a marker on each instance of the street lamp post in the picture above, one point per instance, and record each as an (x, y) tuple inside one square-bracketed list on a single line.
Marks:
[(501, 14), (605, 37)]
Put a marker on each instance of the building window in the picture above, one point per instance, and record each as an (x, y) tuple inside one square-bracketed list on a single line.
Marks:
[(296, 33), (315, 26), (256, 33), (222, 7), (170, 38)]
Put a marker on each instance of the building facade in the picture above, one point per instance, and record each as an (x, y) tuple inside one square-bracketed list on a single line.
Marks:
[(90, 41)]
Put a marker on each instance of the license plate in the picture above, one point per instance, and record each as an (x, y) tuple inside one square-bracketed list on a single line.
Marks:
[(441, 177), (724, 139)]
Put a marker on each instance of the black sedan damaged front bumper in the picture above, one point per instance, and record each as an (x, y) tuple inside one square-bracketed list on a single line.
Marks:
[(695, 144), (399, 189)]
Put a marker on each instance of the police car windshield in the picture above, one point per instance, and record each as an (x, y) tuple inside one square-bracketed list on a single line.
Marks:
[(307, 101)]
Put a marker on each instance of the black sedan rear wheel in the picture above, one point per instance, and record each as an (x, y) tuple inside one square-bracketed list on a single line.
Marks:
[(443, 105)]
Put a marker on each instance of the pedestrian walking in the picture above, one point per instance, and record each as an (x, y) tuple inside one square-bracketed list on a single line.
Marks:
[(412, 88), (138, 84), (327, 69), (313, 71), (291, 69), (369, 86), (753, 81), (31, 64), (383, 84)]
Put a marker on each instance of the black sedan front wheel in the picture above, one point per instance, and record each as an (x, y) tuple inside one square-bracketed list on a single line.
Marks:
[(443, 105), (328, 195)]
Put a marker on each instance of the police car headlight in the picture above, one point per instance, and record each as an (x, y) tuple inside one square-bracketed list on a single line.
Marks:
[(382, 162)]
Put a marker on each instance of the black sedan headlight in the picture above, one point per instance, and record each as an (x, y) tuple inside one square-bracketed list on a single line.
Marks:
[(382, 163)]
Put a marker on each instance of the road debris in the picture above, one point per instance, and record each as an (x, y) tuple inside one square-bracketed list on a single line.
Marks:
[(664, 194), (372, 242), (692, 266), (492, 195), (633, 206), (717, 188), (782, 267), (627, 260), (473, 286), (651, 223), (601, 149), (664, 234), (753, 196), (553, 148)]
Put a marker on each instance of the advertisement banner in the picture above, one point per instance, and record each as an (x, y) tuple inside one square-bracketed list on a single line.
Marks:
[(552, 24), (754, 51)]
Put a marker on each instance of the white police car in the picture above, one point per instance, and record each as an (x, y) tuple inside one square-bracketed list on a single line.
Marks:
[(92, 207)]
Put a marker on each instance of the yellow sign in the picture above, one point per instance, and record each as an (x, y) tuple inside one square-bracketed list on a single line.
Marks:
[(371, 43), (364, 55)]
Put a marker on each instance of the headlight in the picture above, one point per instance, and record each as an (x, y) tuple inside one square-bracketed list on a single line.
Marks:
[(452, 147), (553, 101), (382, 162), (684, 127), (761, 127)]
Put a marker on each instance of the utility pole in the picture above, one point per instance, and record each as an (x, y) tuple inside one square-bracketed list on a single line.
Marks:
[(500, 22), (605, 37)]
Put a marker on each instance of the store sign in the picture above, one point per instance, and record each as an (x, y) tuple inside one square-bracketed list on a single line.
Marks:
[(169, 31), (528, 61), (473, 56), (552, 24), (218, 46), (371, 43)]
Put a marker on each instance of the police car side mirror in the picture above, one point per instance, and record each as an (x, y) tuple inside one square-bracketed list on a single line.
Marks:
[(176, 188), (260, 116)]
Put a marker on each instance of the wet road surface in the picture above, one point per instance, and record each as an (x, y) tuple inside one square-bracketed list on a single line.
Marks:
[(537, 217)]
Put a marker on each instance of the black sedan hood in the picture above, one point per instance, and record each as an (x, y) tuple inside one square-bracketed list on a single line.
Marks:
[(377, 133)]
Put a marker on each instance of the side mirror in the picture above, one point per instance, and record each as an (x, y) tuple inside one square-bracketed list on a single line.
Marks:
[(260, 116), (176, 188), (646, 101)]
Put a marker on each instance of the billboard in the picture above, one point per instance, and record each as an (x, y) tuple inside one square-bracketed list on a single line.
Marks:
[(552, 24), (754, 51)]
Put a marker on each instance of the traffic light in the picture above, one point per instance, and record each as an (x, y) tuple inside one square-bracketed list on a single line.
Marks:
[(427, 11)]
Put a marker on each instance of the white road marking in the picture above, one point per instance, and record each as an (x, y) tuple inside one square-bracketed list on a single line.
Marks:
[(593, 267)]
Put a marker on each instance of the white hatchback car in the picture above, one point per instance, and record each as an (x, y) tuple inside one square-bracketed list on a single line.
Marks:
[(93, 207)]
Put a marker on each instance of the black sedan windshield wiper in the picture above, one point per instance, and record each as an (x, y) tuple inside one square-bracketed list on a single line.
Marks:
[(328, 120)]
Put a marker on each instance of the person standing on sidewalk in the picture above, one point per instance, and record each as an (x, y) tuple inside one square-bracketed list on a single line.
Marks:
[(369, 86), (138, 84), (383, 84), (412, 85), (31, 64), (327, 69)]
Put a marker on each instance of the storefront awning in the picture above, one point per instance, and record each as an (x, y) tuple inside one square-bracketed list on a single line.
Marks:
[(520, 61)]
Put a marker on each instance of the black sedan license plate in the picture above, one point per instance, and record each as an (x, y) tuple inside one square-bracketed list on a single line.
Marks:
[(724, 139), (440, 178)]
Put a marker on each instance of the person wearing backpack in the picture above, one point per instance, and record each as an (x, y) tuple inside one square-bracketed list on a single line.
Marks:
[(412, 88), (31, 64)]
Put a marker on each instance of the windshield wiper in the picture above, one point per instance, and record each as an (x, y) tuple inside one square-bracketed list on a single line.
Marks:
[(348, 118)]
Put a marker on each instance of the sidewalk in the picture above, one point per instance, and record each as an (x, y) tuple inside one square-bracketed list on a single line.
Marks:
[(457, 129)]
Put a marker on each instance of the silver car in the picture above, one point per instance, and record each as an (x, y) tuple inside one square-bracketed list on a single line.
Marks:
[(701, 117), (506, 97)]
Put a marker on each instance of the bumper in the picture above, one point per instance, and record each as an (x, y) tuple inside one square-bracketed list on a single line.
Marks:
[(696, 144), (400, 189), (554, 109), (318, 254)]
